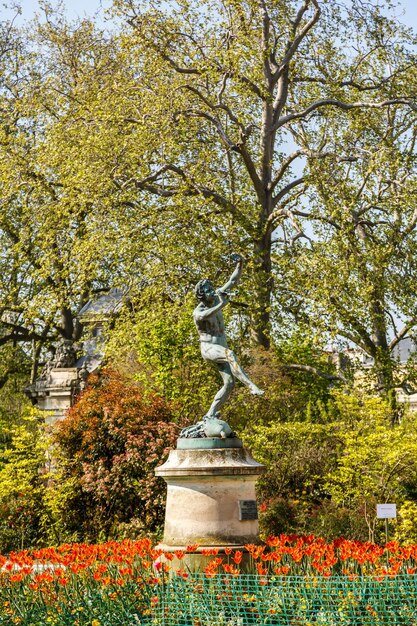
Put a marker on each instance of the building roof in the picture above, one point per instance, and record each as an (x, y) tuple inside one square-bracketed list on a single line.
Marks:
[(103, 307), (404, 349)]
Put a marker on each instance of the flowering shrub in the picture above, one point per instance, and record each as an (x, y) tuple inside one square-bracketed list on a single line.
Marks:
[(107, 450), (123, 582)]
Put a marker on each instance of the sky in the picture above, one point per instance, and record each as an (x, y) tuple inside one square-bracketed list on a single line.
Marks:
[(74, 8), (79, 8)]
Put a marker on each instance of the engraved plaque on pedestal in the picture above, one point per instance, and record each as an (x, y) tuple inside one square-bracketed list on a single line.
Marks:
[(248, 510)]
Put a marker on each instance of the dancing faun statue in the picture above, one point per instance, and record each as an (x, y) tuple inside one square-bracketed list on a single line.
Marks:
[(208, 318)]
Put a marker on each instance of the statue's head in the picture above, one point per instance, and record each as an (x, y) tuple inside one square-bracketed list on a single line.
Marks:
[(204, 290)]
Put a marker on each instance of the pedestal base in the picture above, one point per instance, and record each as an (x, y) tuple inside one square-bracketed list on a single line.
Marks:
[(211, 498)]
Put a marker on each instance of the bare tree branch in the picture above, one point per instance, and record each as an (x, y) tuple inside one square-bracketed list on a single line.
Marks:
[(351, 83), (292, 47), (285, 164), (314, 370), (403, 333), (345, 106), (362, 339), (193, 189), (287, 189)]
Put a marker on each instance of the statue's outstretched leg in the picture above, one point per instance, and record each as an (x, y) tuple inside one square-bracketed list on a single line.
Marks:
[(229, 369), (238, 372), (223, 394)]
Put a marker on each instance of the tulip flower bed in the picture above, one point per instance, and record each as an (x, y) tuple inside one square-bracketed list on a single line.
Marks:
[(292, 581)]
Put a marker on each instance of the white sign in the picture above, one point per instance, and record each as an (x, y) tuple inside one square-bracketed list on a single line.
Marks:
[(386, 511)]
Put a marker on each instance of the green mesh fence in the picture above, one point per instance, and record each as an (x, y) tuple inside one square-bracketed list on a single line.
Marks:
[(291, 600)]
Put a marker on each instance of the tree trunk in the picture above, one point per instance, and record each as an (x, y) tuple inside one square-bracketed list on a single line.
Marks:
[(384, 366), (263, 292), (36, 350)]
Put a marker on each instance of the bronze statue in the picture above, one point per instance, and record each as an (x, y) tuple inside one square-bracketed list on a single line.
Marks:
[(208, 318)]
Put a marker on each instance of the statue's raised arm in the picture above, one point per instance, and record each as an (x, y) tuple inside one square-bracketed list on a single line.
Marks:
[(236, 274)]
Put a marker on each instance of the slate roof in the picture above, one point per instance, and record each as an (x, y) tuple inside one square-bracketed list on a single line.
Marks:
[(404, 349), (104, 306)]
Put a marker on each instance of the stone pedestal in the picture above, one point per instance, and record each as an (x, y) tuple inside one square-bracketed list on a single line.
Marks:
[(211, 497), (55, 393)]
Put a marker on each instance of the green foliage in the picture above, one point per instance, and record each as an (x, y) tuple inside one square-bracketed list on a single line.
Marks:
[(23, 472), (14, 374), (406, 529), (312, 385), (379, 461), (111, 146), (23, 478), (298, 457), (327, 478), (107, 449), (158, 345), (280, 402), (360, 269)]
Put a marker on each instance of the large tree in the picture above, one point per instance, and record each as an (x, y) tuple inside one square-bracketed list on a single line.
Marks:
[(224, 91), (195, 129), (53, 255), (359, 267)]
